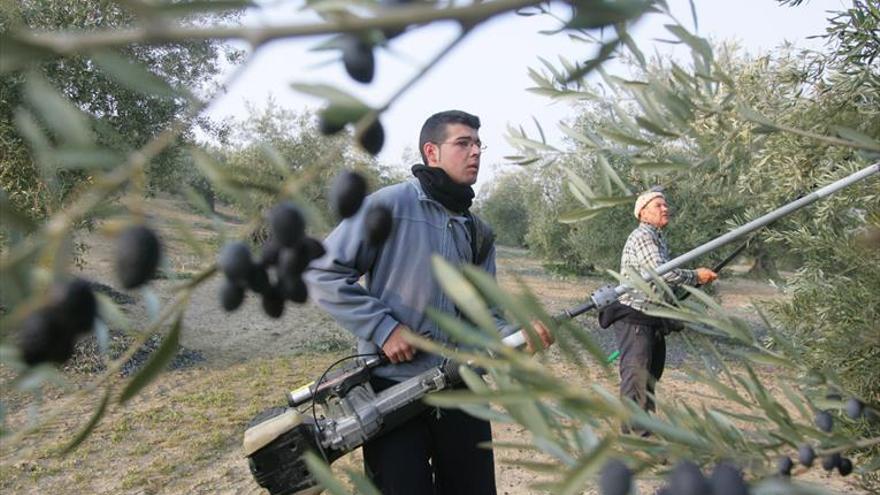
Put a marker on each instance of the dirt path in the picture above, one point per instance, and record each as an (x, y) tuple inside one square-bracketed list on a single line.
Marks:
[(182, 435)]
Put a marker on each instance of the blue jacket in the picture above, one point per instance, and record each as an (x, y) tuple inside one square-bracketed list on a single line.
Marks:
[(399, 282)]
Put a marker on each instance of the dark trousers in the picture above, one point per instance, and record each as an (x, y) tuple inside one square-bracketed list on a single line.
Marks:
[(642, 358), (433, 454)]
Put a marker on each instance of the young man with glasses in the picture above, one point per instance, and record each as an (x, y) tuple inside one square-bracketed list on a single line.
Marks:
[(436, 452)]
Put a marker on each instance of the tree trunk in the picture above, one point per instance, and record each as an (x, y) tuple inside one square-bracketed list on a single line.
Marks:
[(207, 193), (764, 266), (210, 199)]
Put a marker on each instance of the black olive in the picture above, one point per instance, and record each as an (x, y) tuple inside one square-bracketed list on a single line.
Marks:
[(347, 193), (784, 465), (75, 305), (292, 262), (687, 479), (329, 125), (845, 467), (231, 295), (373, 138), (806, 455), (829, 462), (824, 421), (42, 338), (854, 408), (288, 225), (357, 56), (258, 279), (137, 256), (615, 478), (273, 302), (314, 249), (378, 223), (727, 479), (269, 253), (235, 262), (293, 288)]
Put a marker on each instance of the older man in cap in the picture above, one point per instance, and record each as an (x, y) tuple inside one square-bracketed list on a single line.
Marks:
[(641, 338)]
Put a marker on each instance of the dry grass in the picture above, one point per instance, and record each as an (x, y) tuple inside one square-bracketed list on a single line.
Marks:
[(182, 433)]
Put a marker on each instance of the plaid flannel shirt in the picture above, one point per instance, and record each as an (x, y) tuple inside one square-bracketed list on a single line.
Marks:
[(646, 249)]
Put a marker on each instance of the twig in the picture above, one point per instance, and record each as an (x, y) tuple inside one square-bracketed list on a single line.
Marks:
[(77, 42), (859, 444), (833, 141)]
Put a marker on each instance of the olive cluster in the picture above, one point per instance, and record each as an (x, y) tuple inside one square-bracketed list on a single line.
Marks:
[(855, 409), (277, 274), (49, 333), (806, 456), (686, 478)]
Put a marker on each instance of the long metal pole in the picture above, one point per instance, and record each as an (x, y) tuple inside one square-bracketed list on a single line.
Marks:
[(606, 296)]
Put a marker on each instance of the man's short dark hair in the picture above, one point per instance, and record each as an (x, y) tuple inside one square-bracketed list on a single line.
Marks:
[(434, 129)]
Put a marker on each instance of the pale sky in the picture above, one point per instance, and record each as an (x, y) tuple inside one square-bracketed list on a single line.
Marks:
[(487, 74)]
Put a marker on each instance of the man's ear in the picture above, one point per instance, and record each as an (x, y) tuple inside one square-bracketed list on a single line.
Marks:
[(432, 152)]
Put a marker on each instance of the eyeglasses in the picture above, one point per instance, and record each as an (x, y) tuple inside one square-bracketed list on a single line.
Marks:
[(466, 143)]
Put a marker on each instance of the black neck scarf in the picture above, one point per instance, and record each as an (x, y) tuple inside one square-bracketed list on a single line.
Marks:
[(440, 187)]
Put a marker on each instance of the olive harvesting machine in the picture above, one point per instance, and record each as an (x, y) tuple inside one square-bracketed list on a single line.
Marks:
[(351, 413)]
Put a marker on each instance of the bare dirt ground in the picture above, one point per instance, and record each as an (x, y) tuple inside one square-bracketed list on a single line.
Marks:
[(182, 434)]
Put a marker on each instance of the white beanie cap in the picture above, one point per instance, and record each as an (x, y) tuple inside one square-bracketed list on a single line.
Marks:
[(643, 200)]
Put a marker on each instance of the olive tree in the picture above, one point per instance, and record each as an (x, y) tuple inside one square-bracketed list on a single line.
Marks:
[(504, 205), (125, 108), (735, 138)]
